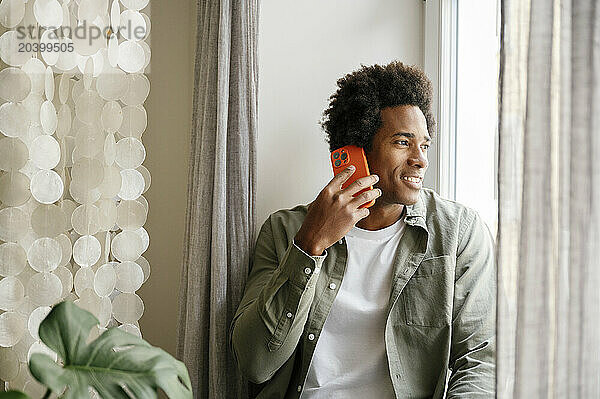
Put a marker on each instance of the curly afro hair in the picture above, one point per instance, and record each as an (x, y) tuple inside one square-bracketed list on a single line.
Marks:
[(354, 116)]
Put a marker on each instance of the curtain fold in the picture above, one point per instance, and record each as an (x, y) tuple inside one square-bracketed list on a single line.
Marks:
[(549, 176), (220, 217)]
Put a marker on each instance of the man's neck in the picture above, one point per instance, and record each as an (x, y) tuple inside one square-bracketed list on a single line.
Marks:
[(381, 216)]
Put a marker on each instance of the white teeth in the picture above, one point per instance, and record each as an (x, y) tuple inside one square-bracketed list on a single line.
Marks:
[(412, 179)]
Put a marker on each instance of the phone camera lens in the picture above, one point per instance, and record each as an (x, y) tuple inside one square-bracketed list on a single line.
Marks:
[(336, 155), (337, 162), (344, 155)]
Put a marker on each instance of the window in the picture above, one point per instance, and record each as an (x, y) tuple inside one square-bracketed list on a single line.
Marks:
[(462, 57)]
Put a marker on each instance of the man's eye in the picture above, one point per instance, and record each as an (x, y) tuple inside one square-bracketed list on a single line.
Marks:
[(426, 146), (403, 142)]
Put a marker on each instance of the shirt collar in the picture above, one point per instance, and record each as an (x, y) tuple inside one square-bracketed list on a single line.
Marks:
[(415, 214)]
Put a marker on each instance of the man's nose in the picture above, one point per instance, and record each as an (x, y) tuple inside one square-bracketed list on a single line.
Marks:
[(418, 158)]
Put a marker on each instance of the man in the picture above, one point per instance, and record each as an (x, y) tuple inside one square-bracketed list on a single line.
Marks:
[(392, 301)]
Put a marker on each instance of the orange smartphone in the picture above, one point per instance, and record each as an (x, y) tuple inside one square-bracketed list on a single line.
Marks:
[(352, 155)]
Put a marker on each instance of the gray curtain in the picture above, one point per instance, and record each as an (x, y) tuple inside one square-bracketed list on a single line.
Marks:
[(220, 219), (549, 219)]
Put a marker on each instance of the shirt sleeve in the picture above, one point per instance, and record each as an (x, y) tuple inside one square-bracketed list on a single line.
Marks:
[(269, 321), (473, 345)]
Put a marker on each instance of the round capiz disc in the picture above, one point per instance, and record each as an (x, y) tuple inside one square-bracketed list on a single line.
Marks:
[(87, 250), (14, 224), (35, 319), (48, 13), (13, 259), (86, 220), (12, 293), (32, 387), (147, 177), (63, 126), (11, 13), (66, 247), (143, 201), (66, 279), (89, 171), (50, 40), (82, 194), (111, 185), (84, 279), (96, 305), (36, 70), (88, 106), (145, 265), (44, 289), (88, 72), (48, 220), (12, 326), (145, 238), (45, 152), (67, 60), (113, 51), (33, 105), (48, 117), (89, 141), (49, 86), (9, 363), (134, 123), (112, 84), (130, 153), (135, 4), (133, 25), (46, 186), (138, 88), (63, 88), (14, 188), (44, 254), (131, 215), (88, 44), (127, 308), (15, 85), (131, 329), (147, 52), (132, 184), (90, 9), (14, 119), (129, 277), (9, 48), (107, 209), (13, 153), (111, 117), (127, 246), (105, 280), (131, 56)]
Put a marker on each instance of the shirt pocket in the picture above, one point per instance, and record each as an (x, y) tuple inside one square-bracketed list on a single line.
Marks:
[(427, 296)]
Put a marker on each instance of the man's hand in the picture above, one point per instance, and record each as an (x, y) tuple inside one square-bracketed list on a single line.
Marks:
[(334, 212)]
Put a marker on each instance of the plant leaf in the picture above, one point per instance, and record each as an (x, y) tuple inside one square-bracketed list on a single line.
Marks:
[(115, 364), (13, 395)]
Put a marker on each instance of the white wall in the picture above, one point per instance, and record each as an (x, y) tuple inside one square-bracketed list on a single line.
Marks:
[(304, 47)]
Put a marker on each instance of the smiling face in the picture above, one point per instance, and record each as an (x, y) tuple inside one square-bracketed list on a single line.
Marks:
[(399, 155)]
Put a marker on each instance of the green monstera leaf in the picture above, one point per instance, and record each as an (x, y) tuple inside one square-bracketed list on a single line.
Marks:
[(13, 395), (116, 364)]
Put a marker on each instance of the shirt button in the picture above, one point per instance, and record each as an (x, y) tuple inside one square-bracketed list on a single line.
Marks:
[(299, 388), (289, 315), (332, 286), (307, 270), (311, 337), (341, 241)]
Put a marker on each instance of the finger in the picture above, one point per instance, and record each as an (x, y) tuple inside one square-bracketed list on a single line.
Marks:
[(341, 177), (361, 184), (365, 197), (362, 213)]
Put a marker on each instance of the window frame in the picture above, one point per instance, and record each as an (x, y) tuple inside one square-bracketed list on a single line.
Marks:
[(440, 65)]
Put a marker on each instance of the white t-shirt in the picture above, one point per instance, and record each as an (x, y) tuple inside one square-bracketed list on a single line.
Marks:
[(350, 359)]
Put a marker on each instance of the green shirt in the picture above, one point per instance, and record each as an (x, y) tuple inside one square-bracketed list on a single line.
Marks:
[(441, 313)]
